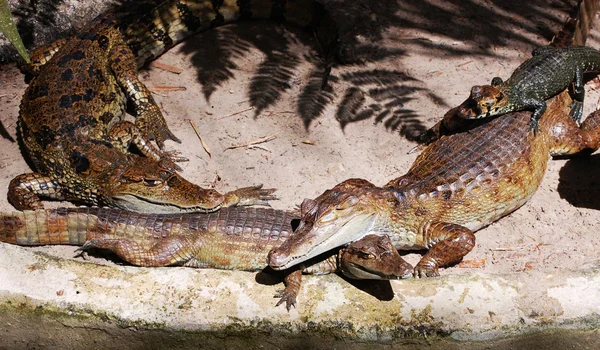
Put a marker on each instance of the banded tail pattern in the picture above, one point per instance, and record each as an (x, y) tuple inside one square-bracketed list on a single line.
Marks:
[(75, 226)]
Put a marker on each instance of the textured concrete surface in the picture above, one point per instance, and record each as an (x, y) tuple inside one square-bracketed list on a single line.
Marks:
[(479, 307)]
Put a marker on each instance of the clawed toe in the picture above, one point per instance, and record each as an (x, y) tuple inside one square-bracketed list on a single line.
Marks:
[(285, 297)]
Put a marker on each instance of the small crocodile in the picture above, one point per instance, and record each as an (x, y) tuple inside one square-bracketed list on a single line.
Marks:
[(550, 71), (71, 114), (459, 184), (235, 238)]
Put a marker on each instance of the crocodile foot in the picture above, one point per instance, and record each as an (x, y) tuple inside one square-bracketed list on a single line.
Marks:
[(286, 296), (576, 111), (534, 125), (253, 195), (169, 158), (423, 270), (154, 127)]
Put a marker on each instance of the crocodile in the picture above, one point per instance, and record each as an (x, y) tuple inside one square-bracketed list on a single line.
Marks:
[(548, 72), (459, 184), (71, 115), (236, 238)]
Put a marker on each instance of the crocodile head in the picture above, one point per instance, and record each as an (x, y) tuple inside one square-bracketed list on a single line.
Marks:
[(339, 216), (485, 101), (149, 186), (135, 182), (373, 257)]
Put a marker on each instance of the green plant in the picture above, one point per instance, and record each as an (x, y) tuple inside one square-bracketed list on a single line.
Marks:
[(8, 28)]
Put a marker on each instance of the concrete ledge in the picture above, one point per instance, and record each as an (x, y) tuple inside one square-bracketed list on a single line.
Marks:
[(177, 303)]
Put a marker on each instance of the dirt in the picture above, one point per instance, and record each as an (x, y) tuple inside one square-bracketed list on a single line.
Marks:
[(409, 62)]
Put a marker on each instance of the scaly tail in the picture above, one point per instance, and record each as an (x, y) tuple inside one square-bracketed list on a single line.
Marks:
[(172, 21), (71, 226)]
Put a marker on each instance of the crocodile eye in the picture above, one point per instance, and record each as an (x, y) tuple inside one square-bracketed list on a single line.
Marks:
[(347, 203), (366, 255), (327, 217), (152, 183)]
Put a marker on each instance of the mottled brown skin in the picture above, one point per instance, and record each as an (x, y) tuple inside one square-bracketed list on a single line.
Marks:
[(456, 186), (71, 114), (233, 238)]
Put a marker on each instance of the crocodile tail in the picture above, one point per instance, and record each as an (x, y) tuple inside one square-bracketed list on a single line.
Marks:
[(172, 21), (577, 27), (69, 226)]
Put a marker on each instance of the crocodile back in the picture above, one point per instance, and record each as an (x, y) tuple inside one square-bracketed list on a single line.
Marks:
[(476, 177)]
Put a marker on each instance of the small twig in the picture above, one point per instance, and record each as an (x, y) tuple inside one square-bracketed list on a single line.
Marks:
[(504, 249), (259, 147), (236, 113), (253, 143), (166, 67), (204, 145), (160, 88), (308, 142), (464, 64)]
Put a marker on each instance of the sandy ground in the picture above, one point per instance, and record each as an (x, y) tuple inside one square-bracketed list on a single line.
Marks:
[(409, 64)]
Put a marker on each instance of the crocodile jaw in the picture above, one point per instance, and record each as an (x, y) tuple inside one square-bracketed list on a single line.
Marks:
[(310, 241), (147, 205)]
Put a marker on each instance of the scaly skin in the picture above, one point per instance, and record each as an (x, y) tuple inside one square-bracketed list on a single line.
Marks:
[(550, 71), (232, 238), (458, 185), (71, 114)]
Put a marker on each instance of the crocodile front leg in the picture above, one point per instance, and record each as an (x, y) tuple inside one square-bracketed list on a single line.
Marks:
[(149, 119), (539, 107), (292, 281), (578, 95), (24, 191), (173, 250), (125, 133), (451, 243)]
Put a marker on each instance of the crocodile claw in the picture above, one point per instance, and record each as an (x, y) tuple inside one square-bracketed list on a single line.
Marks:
[(253, 195), (287, 297), (154, 127), (424, 270), (535, 126)]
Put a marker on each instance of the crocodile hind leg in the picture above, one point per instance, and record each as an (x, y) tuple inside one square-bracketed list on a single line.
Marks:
[(172, 250), (451, 243), (149, 119), (24, 191), (569, 139)]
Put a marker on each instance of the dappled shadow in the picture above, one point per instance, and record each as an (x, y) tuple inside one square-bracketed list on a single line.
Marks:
[(579, 182), (5, 134), (368, 31)]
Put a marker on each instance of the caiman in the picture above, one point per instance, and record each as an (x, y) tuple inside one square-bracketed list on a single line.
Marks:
[(235, 238), (459, 184), (71, 114), (550, 71)]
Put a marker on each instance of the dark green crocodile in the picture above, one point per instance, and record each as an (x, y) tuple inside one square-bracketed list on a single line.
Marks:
[(550, 71), (71, 114)]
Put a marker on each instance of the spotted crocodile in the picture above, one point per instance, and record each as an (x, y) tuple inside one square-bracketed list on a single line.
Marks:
[(71, 114)]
